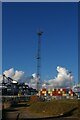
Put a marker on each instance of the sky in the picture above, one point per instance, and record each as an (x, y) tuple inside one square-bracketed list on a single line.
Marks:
[(59, 43), (0, 37)]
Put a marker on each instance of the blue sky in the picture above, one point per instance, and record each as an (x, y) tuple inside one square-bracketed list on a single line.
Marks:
[(58, 21)]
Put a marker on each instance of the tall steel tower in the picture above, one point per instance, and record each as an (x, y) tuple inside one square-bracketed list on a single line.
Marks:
[(39, 58)]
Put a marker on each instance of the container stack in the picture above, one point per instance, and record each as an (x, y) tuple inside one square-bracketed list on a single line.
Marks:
[(71, 93), (57, 92), (43, 92)]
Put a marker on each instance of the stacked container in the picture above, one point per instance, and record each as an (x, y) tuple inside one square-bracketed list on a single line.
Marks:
[(56, 92), (43, 92)]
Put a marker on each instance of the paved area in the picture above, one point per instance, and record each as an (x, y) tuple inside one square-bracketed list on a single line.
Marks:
[(20, 116), (55, 119), (41, 118)]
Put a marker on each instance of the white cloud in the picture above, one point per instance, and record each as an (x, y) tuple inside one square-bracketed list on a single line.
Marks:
[(15, 75), (1, 78), (9, 73), (18, 75), (33, 82), (34, 75), (63, 78)]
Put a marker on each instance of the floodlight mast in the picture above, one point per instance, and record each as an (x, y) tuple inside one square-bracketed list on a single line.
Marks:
[(39, 59)]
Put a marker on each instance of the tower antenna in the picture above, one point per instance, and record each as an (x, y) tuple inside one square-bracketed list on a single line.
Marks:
[(39, 58)]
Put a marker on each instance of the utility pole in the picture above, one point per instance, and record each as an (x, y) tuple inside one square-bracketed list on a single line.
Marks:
[(39, 58)]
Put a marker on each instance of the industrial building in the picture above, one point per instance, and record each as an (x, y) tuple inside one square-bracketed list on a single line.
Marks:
[(11, 87), (14, 88)]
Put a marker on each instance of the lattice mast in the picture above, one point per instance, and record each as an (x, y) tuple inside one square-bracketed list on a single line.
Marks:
[(39, 59)]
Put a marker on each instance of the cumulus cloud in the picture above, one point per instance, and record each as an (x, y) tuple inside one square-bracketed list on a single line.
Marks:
[(15, 75), (9, 73), (63, 78), (18, 75), (1, 78), (33, 81)]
